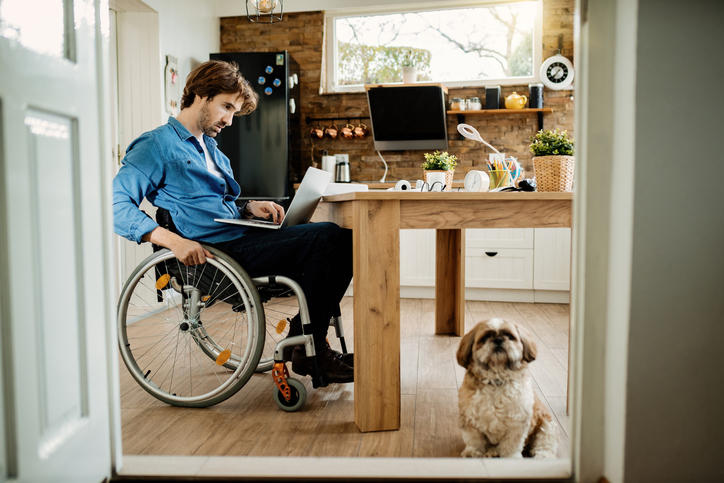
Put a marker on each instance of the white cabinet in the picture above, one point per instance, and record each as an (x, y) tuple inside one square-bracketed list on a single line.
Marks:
[(499, 238), (499, 258), (499, 268), (552, 259), (417, 258), (516, 264)]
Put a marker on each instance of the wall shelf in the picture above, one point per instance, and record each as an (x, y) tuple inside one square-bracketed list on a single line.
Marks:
[(491, 112)]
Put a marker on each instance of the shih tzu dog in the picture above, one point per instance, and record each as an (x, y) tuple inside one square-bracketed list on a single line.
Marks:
[(500, 413)]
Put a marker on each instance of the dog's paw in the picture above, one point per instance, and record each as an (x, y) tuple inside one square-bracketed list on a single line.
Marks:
[(470, 452), (491, 453)]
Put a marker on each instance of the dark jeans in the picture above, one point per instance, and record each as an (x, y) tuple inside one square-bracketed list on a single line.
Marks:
[(318, 256)]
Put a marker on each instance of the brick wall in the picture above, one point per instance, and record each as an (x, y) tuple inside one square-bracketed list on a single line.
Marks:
[(302, 35)]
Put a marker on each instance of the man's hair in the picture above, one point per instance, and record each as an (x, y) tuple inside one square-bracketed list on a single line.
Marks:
[(219, 77)]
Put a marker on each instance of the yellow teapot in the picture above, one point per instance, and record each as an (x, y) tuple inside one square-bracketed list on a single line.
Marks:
[(515, 101)]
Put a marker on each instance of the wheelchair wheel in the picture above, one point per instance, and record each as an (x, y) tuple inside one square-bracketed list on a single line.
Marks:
[(190, 335), (299, 396)]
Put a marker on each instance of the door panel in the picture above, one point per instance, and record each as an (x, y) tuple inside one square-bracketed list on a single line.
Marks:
[(55, 308), (59, 329)]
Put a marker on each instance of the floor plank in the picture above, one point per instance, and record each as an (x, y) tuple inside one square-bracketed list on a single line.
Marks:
[(250, 423)]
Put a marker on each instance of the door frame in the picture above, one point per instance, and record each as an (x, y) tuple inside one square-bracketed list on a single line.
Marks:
[(138, 60), (133, 59), (598, 319)]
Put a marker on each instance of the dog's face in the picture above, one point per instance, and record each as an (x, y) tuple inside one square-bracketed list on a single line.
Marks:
[(496, 344)]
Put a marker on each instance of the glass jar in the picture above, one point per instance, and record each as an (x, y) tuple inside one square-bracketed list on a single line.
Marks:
[(457, 104), (473, 104)]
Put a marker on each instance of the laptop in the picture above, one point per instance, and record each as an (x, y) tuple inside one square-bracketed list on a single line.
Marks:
[(305, 201)]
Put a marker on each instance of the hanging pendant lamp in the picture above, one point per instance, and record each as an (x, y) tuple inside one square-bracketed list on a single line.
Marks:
[(264, 11)]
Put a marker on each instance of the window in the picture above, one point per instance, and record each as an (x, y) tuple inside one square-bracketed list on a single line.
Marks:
[(462, 46)]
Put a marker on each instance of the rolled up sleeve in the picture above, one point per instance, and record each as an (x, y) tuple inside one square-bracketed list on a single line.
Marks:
[(140, 175)]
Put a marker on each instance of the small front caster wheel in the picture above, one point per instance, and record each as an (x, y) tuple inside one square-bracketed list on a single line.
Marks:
[(298, 396)]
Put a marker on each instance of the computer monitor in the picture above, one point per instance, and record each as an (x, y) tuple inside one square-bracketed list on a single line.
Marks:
[(408, 117)]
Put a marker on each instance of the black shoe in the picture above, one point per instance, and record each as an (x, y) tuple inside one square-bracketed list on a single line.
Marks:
[(329, 364), (347, 358)]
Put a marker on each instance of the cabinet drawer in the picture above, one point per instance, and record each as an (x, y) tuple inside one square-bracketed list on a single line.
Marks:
[(499, 268), (499, 238)]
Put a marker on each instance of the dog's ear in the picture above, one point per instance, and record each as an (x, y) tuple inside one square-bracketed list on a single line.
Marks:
[(530, 351), (465, 350)]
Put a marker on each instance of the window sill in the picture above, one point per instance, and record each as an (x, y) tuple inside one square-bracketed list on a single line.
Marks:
[(359, 89)]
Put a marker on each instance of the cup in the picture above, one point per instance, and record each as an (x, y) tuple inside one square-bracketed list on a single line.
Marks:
[(496, 160), (514, 167), (347, 131), (331, 131), (360, 131), (500, 178), (317, 132), (498, 171)]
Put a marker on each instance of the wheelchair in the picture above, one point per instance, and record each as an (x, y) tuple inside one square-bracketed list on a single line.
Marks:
[(193, 336)]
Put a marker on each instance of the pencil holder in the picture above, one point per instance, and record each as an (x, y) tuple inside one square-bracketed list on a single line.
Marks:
[(500, 178)]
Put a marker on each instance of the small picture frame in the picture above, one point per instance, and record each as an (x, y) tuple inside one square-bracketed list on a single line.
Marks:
[(172, 82)]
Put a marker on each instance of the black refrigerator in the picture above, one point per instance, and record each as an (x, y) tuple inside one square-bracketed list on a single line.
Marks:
[(260, 145)]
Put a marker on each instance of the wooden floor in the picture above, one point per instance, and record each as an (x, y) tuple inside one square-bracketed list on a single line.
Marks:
[(249, 423)]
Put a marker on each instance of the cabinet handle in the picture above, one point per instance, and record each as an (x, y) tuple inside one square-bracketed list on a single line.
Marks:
[(491, 254)]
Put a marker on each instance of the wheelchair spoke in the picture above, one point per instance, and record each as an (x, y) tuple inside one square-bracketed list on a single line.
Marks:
[(173, 366), (157, 352), (162, 364)]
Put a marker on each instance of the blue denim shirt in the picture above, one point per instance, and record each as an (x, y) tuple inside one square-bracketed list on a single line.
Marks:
[(168, 167)]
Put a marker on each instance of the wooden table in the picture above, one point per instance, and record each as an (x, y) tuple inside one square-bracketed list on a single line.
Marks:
[(376, 218)]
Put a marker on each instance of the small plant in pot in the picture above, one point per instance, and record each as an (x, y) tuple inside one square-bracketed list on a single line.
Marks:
[(439, 169), (553, 160), (409, 70)]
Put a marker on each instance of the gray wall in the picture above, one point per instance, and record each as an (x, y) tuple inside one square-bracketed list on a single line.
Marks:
[(675, 397)]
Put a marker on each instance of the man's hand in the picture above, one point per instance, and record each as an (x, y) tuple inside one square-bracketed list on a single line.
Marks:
[(265, 209), (188, 251)]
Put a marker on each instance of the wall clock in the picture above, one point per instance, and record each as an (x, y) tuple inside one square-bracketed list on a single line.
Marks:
[(556, 72)]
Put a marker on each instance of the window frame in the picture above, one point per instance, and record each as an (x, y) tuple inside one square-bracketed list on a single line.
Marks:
[(328, 81)]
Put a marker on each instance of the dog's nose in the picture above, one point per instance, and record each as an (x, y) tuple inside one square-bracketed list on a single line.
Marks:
[(498, 341)]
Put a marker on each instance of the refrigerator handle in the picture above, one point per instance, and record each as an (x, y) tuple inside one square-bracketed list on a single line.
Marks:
[(293, 80), (292, 106)]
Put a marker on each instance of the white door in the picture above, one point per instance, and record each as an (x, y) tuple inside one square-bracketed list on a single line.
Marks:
[(55, 273)]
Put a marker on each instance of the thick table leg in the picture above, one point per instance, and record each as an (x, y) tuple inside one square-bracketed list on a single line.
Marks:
[(450, 282), (376, 315)]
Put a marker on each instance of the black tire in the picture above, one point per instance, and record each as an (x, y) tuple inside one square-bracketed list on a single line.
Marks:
[(198, 344), (298, 396)]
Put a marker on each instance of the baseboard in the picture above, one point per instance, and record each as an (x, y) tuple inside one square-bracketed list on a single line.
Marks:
[(487, 294), (552, 296)]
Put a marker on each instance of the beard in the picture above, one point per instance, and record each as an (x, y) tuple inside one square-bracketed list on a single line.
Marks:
[(208, 127)]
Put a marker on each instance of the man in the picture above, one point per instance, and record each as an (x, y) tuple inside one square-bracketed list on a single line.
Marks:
[(178, 167)]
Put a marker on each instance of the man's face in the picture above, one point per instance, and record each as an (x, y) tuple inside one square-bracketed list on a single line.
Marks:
[(217, 113)]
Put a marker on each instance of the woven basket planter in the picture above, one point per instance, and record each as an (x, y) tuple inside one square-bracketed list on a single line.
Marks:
[(554, 173), (439, 175)]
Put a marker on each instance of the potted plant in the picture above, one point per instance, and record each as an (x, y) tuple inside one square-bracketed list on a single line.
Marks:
[(409, 70), (553, 160), (439, 168)]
